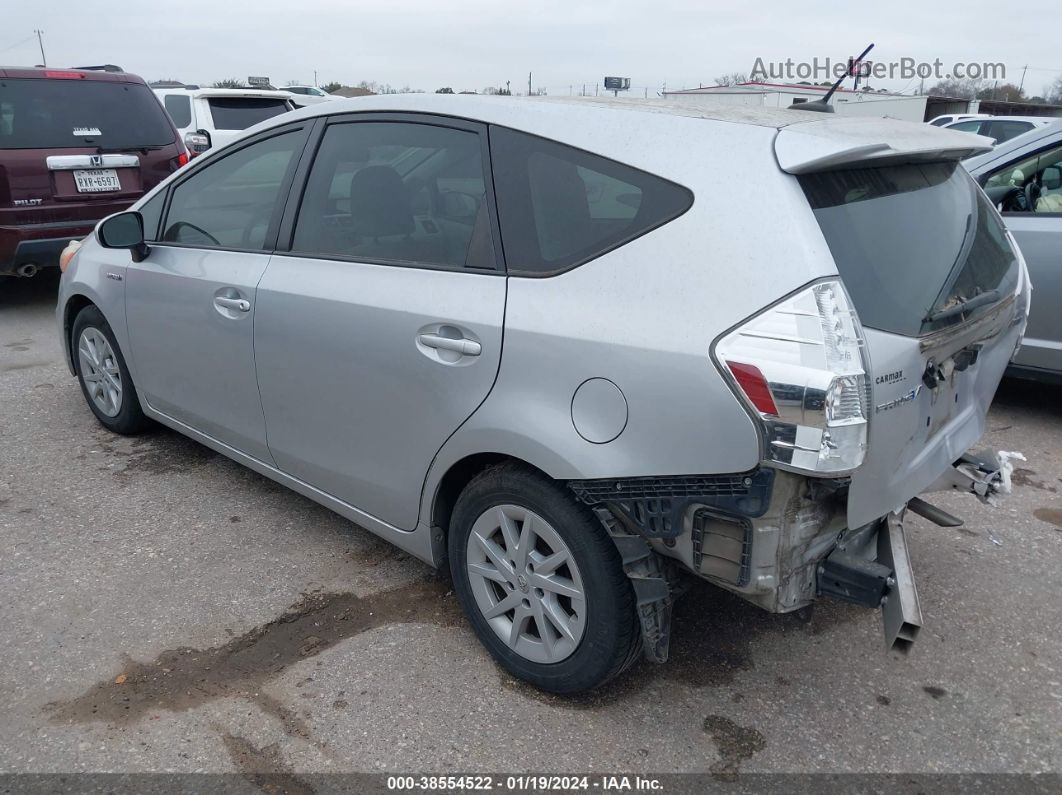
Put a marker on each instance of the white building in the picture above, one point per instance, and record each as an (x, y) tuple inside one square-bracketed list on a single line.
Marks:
[(777, 95)]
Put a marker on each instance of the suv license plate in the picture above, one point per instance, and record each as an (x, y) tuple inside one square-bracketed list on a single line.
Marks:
[(97, 181)]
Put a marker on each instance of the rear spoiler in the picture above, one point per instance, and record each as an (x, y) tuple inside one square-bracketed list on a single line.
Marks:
[(830, 143)]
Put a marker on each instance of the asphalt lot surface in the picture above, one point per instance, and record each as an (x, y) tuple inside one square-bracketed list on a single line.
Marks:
[(164, 609)]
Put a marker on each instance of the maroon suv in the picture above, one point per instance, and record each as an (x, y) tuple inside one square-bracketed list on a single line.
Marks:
[(75, 146)]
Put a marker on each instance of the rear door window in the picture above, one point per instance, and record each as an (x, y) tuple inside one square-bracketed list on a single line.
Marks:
[(1005, 130), (911, 241), (239, 113), (560, 207), (1032, 184), (397, 192), (179, 107), (966, 126), (230, 202), (38, 113)]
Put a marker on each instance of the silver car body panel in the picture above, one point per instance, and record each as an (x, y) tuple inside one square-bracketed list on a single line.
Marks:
[(355, 402), (193, 357)]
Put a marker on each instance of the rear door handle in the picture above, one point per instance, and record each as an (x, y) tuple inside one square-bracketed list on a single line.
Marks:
[(239, 304), (463, 346)]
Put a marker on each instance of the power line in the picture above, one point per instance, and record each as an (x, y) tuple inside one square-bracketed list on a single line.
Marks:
[(16, 44)]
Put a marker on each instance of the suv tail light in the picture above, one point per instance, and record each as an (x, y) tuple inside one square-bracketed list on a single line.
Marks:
[(196, 142), (802, 368)]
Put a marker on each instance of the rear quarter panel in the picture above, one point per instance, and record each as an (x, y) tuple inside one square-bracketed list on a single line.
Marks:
[(646, 314)]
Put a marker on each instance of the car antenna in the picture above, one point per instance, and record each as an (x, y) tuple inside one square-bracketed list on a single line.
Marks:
[(823, 105)]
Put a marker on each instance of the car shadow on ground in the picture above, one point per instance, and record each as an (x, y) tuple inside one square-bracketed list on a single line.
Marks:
[(40, 289)]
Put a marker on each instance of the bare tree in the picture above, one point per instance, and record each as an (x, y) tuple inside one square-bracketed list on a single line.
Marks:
[(328, 88), (963, 89), (229, 82), (731, 79), (1053, 92)]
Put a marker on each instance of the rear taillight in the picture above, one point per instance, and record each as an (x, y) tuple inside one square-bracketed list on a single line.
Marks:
[(802, 367), (182, 159), (197, 143)]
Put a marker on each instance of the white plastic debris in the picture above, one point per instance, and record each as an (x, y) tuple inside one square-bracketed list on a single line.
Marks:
[(1006, 469)]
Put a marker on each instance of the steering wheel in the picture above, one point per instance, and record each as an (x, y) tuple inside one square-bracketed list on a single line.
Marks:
[(1016, 200), (1032, 194), (173, 233)]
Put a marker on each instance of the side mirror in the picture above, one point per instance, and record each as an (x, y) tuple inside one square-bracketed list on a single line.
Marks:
[(124, 230)]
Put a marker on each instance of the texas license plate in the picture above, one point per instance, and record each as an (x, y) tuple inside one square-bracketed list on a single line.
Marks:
[(98, 180)]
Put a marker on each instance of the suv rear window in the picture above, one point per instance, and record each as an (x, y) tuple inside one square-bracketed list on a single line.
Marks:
[(560, 207), (239, 113), (37, 113), (911, 241)]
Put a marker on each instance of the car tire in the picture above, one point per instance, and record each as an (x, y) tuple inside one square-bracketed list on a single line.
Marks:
[(104, 377), (588, 639)]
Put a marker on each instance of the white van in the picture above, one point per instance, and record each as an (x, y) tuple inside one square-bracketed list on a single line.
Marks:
[(208, 117)]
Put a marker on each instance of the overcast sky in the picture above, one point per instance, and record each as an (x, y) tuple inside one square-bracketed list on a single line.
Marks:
[(470, 44)]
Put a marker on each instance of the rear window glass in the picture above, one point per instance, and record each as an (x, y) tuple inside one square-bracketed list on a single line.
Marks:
[(239, 113), (911, 242), (37, 113), (180, 109), (560, 207)]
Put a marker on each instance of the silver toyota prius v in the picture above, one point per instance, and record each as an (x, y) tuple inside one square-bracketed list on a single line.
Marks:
[(575, 349)]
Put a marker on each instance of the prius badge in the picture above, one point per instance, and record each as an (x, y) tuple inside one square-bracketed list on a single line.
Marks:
[(907, 397)]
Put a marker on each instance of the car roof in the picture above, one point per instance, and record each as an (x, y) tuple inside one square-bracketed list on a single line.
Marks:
[(223, 92), (1040, 120), (1032, 140), (499, 109), (59, 73), (811, 140)]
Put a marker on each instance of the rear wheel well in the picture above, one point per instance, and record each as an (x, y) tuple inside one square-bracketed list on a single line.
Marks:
[(73, 309), (457, 477)]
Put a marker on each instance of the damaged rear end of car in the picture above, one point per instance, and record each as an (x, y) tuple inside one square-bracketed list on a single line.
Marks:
[(867, 388), (872, 387)]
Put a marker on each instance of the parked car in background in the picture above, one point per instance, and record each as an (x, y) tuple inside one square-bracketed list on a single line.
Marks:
[(940, 121), (209, 117), (1000, 128), (1023, 177), (308, 95), (75, 146), (325, 301)]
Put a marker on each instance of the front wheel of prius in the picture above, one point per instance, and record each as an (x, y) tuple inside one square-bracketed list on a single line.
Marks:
[(541, 581), (104, 378)]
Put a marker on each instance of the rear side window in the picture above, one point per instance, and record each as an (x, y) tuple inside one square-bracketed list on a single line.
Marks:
[(1005, 130), (912, 242), (397, 192), (239, 113), (37, 113), (966, 126), (180, 109), (560, 207), (229, 203)]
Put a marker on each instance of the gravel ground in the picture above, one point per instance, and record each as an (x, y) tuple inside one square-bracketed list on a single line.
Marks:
[(164, 609)]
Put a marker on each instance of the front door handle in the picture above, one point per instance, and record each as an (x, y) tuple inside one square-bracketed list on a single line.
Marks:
[(463, 346), (239, 304)]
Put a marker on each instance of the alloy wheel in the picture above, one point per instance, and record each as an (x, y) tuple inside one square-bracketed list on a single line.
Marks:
[(100, 372), (526, 583)]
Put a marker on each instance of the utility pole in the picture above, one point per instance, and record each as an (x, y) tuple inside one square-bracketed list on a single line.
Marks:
[(529, 84), (1022, 83), (40, 41), (569, 90), (315, 78)]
